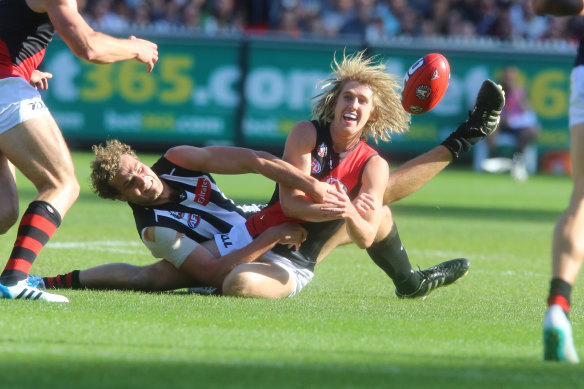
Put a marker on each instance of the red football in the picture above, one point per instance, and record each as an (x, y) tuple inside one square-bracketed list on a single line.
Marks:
[(425, 83)]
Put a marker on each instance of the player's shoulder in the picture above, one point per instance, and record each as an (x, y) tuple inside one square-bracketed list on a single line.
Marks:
[(373, 160), (304, 127), (302, 135)]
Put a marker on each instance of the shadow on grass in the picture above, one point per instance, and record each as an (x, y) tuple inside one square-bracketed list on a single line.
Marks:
[(70, 372)]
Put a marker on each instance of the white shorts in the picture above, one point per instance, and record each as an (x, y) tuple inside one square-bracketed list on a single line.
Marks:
[(576, 111), (19, 101), (239, 237)]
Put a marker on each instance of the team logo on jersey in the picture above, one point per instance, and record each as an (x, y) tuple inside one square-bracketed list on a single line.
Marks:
[(193, 220), (322, 149), (315, 166), (332, 180), (203, 191)]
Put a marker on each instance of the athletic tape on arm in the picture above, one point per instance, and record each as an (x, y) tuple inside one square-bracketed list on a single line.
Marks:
[(168, 244)]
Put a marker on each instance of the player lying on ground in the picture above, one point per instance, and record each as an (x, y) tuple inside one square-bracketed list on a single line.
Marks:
[(286, 276)]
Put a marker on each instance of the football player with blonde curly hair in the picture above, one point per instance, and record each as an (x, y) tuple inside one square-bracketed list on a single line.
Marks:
[(359, 101)]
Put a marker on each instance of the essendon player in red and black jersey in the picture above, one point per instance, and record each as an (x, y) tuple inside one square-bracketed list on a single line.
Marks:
[(24, 36), (30, 139), (361, 101), (328, 166)]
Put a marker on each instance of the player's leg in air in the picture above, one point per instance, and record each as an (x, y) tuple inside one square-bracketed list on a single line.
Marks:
[(38, 150)]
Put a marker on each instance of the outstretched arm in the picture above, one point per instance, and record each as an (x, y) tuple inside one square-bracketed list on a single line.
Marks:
[(558, 7), (89, 44), (237, 160)]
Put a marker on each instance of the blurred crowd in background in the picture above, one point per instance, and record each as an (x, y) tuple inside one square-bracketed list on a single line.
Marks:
[(374, 20)]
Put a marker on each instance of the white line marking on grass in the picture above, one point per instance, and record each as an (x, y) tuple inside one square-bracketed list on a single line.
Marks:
[(112, 246)]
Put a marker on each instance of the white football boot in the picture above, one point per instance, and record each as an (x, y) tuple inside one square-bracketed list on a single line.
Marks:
[(558, 343), (24, 291)]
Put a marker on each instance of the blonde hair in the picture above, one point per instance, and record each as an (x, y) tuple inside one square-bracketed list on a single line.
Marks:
[(105, 166), (388, 114)]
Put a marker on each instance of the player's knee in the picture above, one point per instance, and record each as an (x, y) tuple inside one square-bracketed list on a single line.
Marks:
[(385, 225), (238, 284), (65, 182), (242, 283), (70, 188), (74, 189)]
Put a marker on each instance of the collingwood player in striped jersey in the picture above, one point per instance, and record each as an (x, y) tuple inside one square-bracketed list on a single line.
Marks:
[(179, 209)]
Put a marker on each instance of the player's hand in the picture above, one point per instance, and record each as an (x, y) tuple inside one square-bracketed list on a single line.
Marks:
[(364, 203), (337, 203), (291, 234), (320, 191), (40, 80), (147, 52)]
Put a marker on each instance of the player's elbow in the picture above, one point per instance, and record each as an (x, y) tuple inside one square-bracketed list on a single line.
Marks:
[(364, 243), (87, 53), (287, 209), (259, 161)]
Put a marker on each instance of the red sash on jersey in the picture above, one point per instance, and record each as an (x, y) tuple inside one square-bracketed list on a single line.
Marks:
[(24, 69)]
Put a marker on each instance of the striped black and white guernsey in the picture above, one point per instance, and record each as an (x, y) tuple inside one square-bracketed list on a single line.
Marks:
[(201, 209)]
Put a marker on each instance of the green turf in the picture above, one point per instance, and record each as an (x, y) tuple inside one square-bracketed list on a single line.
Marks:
[(345, 330)]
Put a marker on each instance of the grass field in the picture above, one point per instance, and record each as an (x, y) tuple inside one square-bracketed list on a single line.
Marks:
[(345, 330)]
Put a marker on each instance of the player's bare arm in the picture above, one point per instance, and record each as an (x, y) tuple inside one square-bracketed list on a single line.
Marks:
[(236, 160), (558, 7), (203, 266), (362, 225), (297, 151), (88, 44)]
